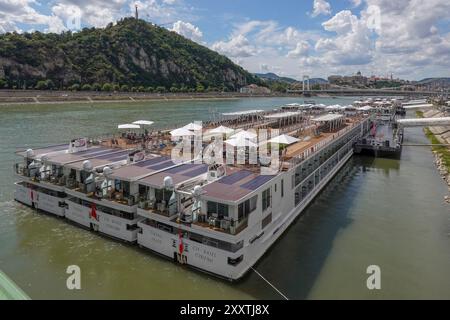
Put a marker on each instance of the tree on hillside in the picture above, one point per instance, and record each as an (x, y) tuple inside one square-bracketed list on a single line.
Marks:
[(86, 87), (74, 87), (160, 89), (45, 85)]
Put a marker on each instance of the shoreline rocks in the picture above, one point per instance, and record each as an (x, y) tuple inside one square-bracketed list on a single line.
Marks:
[(443, 172)]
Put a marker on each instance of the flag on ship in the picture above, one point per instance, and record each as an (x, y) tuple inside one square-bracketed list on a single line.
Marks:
[(94, 212), (181, 245)]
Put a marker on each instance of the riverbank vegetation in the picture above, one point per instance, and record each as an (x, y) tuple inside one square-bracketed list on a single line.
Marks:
[(443, 152)]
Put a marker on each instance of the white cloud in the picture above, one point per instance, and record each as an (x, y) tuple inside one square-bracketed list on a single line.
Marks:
[(188, 30), (21, 11), (321, 7), (236, 47), (97, 13), (342, 23), (352, 44), (301, 50)]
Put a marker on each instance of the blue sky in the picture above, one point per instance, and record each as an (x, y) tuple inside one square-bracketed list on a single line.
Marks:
[(408, 38)]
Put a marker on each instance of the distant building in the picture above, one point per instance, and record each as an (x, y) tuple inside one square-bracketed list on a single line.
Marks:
[(357, 80), (255, 89)]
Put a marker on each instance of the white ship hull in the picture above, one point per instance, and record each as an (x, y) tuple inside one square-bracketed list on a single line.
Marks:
[(40, 200), (109, 225), (214, 260), (104, 223)]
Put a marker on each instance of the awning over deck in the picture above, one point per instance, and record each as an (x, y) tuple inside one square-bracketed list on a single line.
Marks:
[(328, 117), (242, 113)]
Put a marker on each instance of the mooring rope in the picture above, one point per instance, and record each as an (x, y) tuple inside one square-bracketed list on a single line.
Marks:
[(270, 284)]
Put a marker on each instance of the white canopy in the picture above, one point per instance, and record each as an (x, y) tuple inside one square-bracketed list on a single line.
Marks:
[(284, 139), (181, 132), (222, 130), (193, 126), (128, 126), (282, 115), (328, 117), (144, 122), (243, 113), (241, 142), (365, 108), (244, 134)]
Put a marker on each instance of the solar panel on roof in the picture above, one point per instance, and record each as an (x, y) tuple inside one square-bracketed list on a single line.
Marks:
[(96, 152), (111, 155), (181, 168), (161, 166), (151, 162), (257, 182), (57, 147), (196, 172), (118, 158), (235, 177)]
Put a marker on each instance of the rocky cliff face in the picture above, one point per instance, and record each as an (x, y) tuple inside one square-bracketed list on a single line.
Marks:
[(132, 52)]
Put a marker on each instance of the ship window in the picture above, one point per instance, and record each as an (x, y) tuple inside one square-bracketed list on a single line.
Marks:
[(266, 199), (143, 190), (247, 207), (282, 188), (216, 208)]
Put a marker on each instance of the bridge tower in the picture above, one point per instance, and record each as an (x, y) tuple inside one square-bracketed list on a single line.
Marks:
[(306, 83)]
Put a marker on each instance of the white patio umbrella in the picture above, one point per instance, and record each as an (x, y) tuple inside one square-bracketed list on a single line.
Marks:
[(241, 142), (181, 132), (193, 126), (144, 122), (128, 126), (222, 130), (365, 108), (284, 139), (244, 134)]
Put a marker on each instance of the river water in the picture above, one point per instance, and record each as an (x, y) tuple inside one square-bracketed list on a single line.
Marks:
[(382, 212)]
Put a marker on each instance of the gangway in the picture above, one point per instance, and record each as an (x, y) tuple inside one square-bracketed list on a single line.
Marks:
[(424, 122)]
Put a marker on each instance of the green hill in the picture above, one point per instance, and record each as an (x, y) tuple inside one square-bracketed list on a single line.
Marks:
[(131, 53)]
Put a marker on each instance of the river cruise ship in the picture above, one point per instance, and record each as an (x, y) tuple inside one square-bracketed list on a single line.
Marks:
[(219, 216)]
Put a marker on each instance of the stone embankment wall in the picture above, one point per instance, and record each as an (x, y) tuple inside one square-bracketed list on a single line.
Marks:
[(442, 154)]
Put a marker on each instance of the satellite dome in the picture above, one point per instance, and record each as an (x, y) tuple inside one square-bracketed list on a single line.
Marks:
[(44, 158), (29, 153), (87, 165), (107, 171), (168, 182), (198, 190)]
